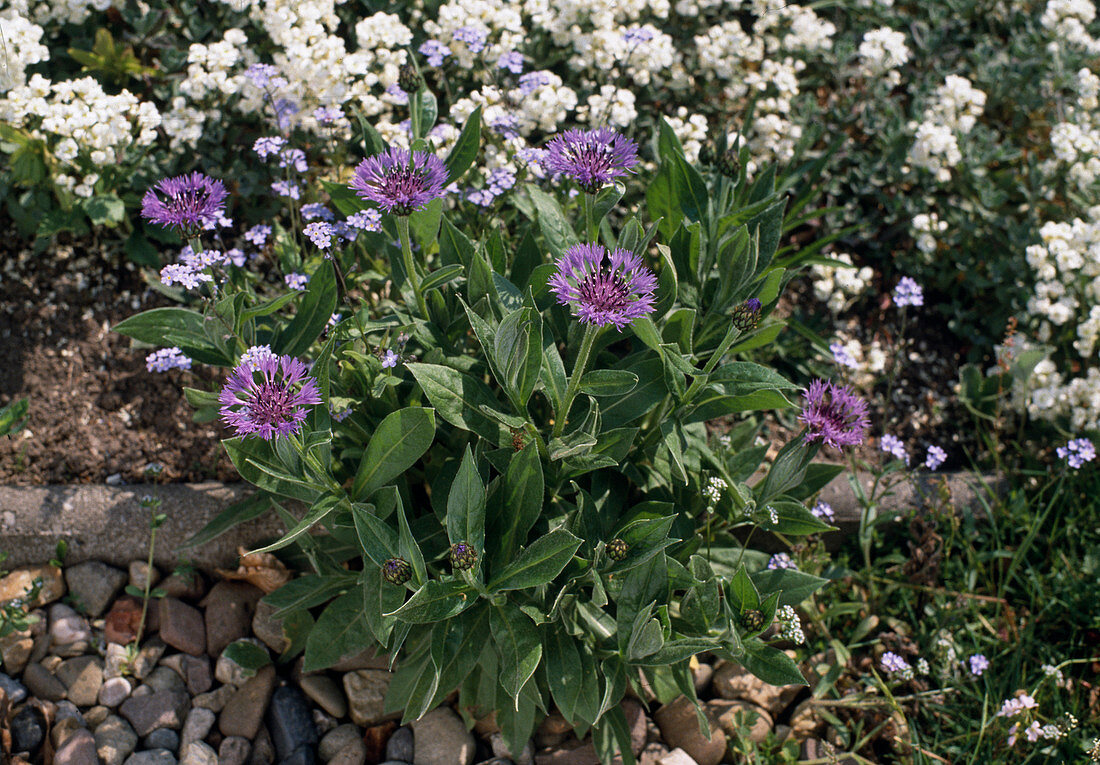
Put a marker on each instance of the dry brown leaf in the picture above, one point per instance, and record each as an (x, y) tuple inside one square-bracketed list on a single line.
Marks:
[(261, 570)]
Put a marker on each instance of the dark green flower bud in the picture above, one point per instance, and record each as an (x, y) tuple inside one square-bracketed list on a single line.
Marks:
[(747, 315), (463, 556), (617, 549), (707, 154), (729, 164), (397, 571), (408, 79), (752, 620)]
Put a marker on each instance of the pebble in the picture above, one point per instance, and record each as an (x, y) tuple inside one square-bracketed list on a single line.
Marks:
[(400, 745), (152, 757), (42, 684), (680, 728), (15, 650), (63, 729), (199, 753), (228, 671), (122, 621), (165, 679), (83, 677), (148, 657), (140, 574), (501, 750), (198, 724), (735, 716), (93, 585), (269, 629), (114, 740), (115, 661), (78, 749), (96, 715), (289, 722), (263, 752), (114, 691), (162, 738), (244, 711), (676, 757), (185, 586), (67, 626), (326, 693), (162, 709), (195, 671), (734, 682), (303, 755), (229, 609), (181, 626), (339, 737), (234, 750), (20, 581), (355, 753), (216, 699), (28, 730), (12, 688), (440, 738), (366, 691)]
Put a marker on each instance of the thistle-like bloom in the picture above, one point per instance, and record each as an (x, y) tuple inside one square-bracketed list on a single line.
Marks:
[(616, 293), (397, 571), (591, 157), (186, 202), (617, 549), (834, 415), (268, 397), (400, 181), (463, 556), (747, 315)]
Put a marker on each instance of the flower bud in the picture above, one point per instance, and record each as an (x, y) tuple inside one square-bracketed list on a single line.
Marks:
[(752, 620), (463, 556), (617, 549), (747, 315), (729, 164), (408, 79), (396, 571)]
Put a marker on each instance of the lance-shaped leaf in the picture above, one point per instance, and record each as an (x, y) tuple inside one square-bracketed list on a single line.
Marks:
[(378, 540), (555, 227), (313, 315), (466, 505), (457, 398), (517, 349), (342, 630), (539, 563), (398, 442), (770, 664), (519, 502), (435, 601), (464, 152), (518, 645)]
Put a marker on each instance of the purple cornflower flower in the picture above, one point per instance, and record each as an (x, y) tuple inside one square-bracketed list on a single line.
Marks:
[(367, 220), (165, 359), (265, 75), (276, 405), (326, 115), (908, 292), (255, 354), (435, 51), (891, 662), (286, 189), (317, 210), (892, 445), (934, 458), (267, 145), (296, 281), (532, 81), (616, 294), (185, 276), (258, 234), (780, 560), (824, 511), (978, 664), (1077, 452), (841, 355), (320, 233), (834, 415), (390, 359), (638, 35), (189, 202), (400, 181), (512, 61), (473, 37), (591, 157)]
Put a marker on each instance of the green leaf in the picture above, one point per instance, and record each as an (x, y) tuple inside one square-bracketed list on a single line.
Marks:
[(395, 446), (344, 198), (646, 638), (742, 592), (649, 392), (406, 542), (105, 210), (517, 349), (519, 647), (464, 152), (246, 510), (455, 248), (306, 592), (795, 519), (435, 601), (166, 327), (793, 586), (313, 314), (13, 416), (258, 464), (247, 655), (539, 563), (457, 397), (645, 538), (563, 671), (555, 228), (342, 630), (770, 664), (320, 510), (466, 505), (441, 276), (424, 224), (378, 540), (608, 382), (520, 502), (787, 470)]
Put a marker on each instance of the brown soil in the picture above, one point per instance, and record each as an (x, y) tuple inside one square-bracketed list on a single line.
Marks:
[(95, 413)]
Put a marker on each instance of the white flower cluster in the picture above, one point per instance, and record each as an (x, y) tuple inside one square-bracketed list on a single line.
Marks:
[(1075, 141), (691, 130), (925, 227), (22, 48), (790, 626), (1068, 21), (881, 52), (59, 11), (713, 491), (839, 286), (952, 112)]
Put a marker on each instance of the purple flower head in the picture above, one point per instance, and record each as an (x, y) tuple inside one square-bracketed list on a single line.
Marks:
[(591, 157), (285, 189), (891, 662), (267, 145), (638, 35), (274, 405), (295, 158), (326, 115), (908, 292), (400, 181), (320, 233), (1077, 452), (780, 560), (186, 202), (265, 76), (258, 234), (367, 220), (841, 355), (934, 458), (834, 415), (317, 210), (296, 281), (512, 61), (978, 664), (616, 293), (165, 359), (824, 511), (532, 81), (473, 37), (893, 446), (435, 51)]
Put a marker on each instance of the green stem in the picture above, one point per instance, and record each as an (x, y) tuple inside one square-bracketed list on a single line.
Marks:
[(589, 223), (148, 572), (590, 332), (407, 261)]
